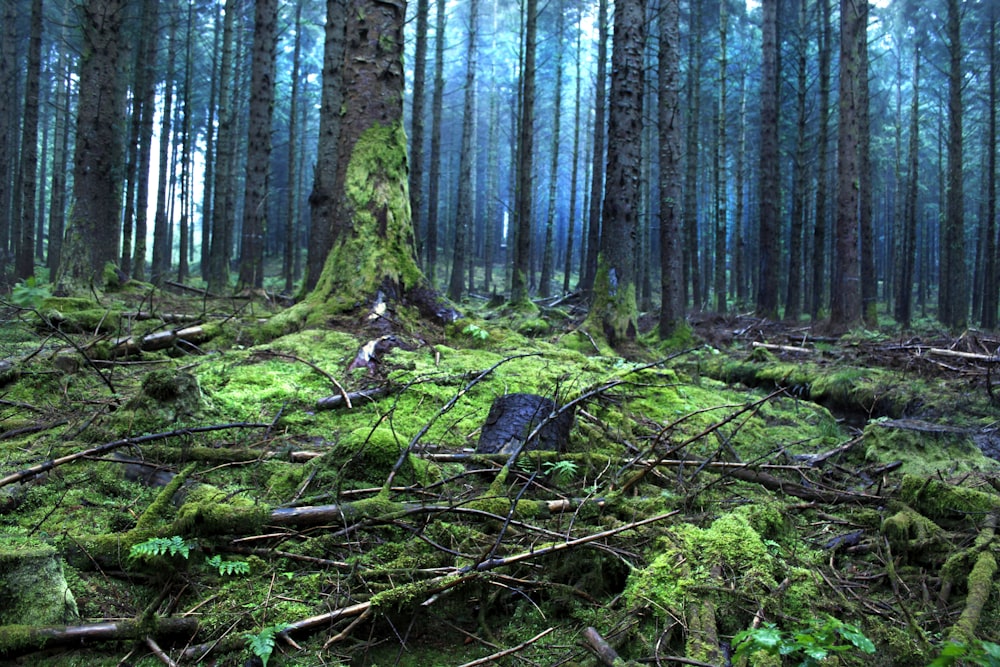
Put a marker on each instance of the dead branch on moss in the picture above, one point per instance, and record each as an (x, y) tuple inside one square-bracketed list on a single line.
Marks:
[(510, 651), (36, 470), (163, 629), (159, 340)]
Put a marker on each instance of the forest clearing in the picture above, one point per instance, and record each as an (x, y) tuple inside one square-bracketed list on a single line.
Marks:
[(180, 487)]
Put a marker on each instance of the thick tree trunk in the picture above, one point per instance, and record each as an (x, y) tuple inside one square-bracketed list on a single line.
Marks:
[(721, 182), (614, 308), (692, 274), (953, 295), (434, 177), (525, 162), (770, 230), (845, 301), (800, 176), (990, 282), (94, 234), (822, 176), (255, 206), (24, 266), (371, 228)]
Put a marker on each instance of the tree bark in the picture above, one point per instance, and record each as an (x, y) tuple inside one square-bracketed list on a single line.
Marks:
[(597, 158), (24, 265), (94, 234), (525, 162), (671, 224)]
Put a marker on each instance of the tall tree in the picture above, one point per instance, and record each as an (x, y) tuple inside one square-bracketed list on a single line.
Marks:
[(845, 300), (820, 217), (770, 236), (525, 161), (292, 209), (671, 224), (162, 222), (24, 265), (800, 170), (60, 158), (575, 158), (614, 307), (548, 250), (370, 226), (904, 284), (434, 177), (417, 122), (255, 206), (597, 159), (94, 233), (466, 174), (953, 290), (323, 197), (991, 285), (866, 223), (8, 126), (719, 179), (692, 273)]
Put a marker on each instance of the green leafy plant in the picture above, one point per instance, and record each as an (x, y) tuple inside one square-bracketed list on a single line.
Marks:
[(985, 654), (159, 546), (476, 332), (29, 293), (229, 567), (812, 644), (561, 471), (262, 643)]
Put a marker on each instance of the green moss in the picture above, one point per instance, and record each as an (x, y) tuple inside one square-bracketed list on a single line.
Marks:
[(378, 203), (210, 512), (924, 449), (937, 500), (33, 586)]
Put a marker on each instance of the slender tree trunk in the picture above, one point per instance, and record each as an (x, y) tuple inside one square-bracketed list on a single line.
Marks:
[(990, 283), (161, 223), (671, 224), (492, 162), (223, 208), (845, 301), (575, 160), (465, 214), (720, 180), (614, 307), (597, 160), (770, 230), (904, 285), (417, 120), (184, 242), (292, 209), (953, 300), (739, 281), (692, 273), (800, 175), (548, 250), (8, 128), (819, 254), (434, 184), (526, 164), (869, 278), (60, 162)]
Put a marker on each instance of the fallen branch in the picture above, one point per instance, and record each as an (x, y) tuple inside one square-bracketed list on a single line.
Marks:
[(28, 638), (159, 340), (36, 470), (510, 651), (781, 348)]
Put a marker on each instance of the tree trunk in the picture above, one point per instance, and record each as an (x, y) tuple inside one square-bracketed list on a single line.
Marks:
[(575, 160), (161, 220), (292, 204), (770, 230), (800, 175), (186, 203), (953, 300), (417, 120), (845, 301), (822, 176), (223, 209), (24, 266), (323, 195), (904, 284), (8, 127), (255, 204), (869, 278), (614, 308), (692, 274), (525, 162), (434, 184), (671, 224), (990, 282), (371, 228), (740, 279), (92, 240), (548, 250), (721, 182), (464, 218), (60, 162), (597, 158)]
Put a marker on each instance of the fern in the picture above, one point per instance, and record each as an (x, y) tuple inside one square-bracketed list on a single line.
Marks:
[(476, 332), (561, 471), (262, 643), (229, 567), (159, 546)]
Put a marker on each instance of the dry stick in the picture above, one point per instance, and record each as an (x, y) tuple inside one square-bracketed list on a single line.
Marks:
[(510, 651), (155, 648), (35, 470), (447, 406)]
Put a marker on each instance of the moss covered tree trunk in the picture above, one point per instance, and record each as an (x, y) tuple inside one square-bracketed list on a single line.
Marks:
[(370, 226)]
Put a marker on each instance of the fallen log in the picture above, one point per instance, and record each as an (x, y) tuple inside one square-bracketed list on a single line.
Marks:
[(20, 639)]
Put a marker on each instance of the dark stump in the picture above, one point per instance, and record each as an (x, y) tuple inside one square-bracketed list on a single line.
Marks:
[(513, 417)]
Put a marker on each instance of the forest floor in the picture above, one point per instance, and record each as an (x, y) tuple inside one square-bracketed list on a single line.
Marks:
[(184, 480)]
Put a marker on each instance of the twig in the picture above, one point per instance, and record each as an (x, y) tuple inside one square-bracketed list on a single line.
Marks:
[(155, 648), (510, 651)]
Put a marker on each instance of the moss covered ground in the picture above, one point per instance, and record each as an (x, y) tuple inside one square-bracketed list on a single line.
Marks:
[(702, 492)]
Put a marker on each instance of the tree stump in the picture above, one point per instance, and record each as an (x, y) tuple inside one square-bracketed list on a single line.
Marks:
[(513, 417)]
